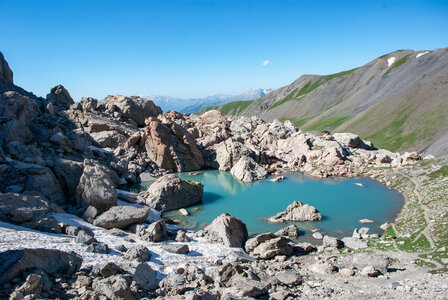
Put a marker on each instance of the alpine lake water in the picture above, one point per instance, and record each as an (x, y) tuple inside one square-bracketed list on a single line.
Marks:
[(341, 201)]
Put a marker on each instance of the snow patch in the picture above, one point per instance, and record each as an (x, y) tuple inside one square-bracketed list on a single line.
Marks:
[(202, 253), (390, 61), (421, 54)]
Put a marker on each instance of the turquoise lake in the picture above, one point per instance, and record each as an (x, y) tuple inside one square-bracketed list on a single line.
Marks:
[(341, 202)]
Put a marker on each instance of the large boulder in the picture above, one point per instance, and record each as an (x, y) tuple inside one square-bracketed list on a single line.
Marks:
[(279, 129), (121, 217), (291, 148), (20, 208), (5, 72), (170, 192), (378, 262), (228, 230), (155, 232), (108, 138), (297, 212), (60, 97), (18, 107), (145, 277), (113, 287), (97, 186), (254, 242), (18, 112), (228, 153), (273, 247), (247, 170), (212, 117), (134, 108), (289, 231), (171, 147), (347, 140), (23, 177), (68, 172), (14, 263)]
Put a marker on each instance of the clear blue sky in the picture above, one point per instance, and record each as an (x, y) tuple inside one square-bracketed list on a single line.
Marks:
[(198, 48)]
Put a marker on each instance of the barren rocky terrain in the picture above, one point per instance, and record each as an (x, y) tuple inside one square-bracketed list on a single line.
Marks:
[(68, 230)]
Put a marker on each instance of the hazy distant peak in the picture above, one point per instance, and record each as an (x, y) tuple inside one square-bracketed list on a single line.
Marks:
[(191, 105)]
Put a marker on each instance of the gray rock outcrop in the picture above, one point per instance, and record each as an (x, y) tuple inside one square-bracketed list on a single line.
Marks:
[(247, 170), (13, 263), (145, 277), (171, 147), (134, 108), (113, 287), (121, 217), (60, 97), (297, 212), (5, 72), (97, 186), (273, 247), (228, 230), (20, 208), (170, 192)]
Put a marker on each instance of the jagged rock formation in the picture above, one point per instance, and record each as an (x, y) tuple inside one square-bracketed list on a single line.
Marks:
[(5, 71)]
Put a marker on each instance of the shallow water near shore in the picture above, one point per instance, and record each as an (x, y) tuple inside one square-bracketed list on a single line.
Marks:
[(341, 202)]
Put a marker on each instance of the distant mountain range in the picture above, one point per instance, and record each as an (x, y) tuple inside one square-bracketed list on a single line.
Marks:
[(399, 101), (192, 105)]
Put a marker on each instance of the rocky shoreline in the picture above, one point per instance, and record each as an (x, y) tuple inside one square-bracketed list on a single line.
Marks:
[(67, 230)]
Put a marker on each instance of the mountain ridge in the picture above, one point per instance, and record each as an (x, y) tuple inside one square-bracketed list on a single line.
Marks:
[(350, 100)]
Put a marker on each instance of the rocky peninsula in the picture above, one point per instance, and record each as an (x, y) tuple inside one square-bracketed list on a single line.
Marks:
[(68, 230)]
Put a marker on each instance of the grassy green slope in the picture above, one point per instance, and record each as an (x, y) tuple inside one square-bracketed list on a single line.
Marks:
[(309, 87), (232, 108)]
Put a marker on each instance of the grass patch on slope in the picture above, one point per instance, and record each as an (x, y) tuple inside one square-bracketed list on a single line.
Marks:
[(392, 137), (286, 99), (327, 124), (235, 108), (308, 87), (440, 173), (398, 63)]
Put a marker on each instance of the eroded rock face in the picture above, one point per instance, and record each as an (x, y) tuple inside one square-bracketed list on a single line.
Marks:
[(121, 217), (134, 108), (19, 111), (170, 192), (297, 212), (247, 170), (24, 177), (228, 230), (22, 208), (68, 172), (5, 72), (60, 97), (228, 153), (172, 147), (13, 263), (97, 186)]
